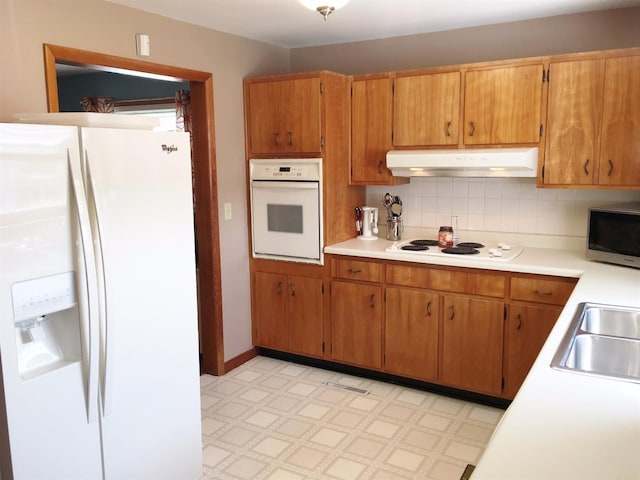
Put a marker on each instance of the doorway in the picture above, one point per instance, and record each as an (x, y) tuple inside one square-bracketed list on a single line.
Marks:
[(205, 178)]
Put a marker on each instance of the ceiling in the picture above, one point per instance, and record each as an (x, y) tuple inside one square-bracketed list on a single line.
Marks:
[(288, 23)]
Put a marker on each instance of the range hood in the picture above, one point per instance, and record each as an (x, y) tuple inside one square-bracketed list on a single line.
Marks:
[(480, 162)]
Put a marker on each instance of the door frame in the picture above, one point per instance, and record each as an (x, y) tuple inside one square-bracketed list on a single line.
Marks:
[(205, 178)]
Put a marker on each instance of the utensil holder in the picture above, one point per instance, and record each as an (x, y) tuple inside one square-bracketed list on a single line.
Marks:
[(394, 228)]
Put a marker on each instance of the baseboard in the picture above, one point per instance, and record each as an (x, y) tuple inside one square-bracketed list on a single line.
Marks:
[(235, 362)]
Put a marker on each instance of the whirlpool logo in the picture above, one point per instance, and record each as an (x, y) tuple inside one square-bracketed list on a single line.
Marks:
[(169, 148)]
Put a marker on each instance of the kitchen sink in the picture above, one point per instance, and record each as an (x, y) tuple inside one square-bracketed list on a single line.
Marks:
[(617, 322), (602, 340)]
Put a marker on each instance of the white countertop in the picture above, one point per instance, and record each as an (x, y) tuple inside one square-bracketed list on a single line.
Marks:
[(561, 425)]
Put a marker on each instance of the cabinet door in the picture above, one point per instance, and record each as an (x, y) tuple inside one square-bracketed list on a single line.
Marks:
[(573, 122), (411, 333), (527, 329), (502, 105), (426, 109), (270, 316), (370, 130), (472, 344), (305, 315), (284, 116), (300, 116), (620, 152), (264, 99), (356, 322)]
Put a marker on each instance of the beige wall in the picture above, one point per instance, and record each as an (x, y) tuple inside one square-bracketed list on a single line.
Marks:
[(110, 29), (553, 35)]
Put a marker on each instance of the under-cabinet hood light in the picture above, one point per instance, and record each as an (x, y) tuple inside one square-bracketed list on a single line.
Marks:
[(488, 162)]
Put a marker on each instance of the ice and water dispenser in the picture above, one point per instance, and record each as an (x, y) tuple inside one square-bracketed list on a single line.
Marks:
[(45, 314)]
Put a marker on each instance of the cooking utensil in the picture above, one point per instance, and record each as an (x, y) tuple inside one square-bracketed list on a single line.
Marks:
[(387, 201), (396, 207)]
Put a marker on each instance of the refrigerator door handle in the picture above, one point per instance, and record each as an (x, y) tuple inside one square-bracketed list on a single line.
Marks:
[(88, 317), (106, 347)]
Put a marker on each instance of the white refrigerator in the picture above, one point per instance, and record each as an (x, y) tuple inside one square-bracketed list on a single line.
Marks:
[(98, 303)]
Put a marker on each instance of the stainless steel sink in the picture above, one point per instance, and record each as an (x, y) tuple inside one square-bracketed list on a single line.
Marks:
[(602, 340), (614, 321)]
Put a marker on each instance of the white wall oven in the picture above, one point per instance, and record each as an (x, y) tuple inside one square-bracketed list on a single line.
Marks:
[(286, 209)]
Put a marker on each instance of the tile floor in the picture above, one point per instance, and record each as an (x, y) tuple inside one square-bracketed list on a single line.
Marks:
[(275, 420)]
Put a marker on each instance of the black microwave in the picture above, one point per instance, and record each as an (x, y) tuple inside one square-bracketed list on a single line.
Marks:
[(613, 234)]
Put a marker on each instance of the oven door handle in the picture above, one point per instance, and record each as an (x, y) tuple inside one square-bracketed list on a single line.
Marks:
[(299, 185)]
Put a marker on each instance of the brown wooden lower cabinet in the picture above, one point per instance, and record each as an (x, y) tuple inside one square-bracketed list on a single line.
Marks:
[(472, 332), (465, 328), (356, 323), (288, 313), (526, 331), (411, 333)]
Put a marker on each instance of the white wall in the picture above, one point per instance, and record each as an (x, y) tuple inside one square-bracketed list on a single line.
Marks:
[(496, 204)]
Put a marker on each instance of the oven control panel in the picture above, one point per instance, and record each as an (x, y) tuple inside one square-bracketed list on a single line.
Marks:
[(289, 169)]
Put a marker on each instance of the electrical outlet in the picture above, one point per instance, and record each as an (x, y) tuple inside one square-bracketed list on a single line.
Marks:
[(227, 211)]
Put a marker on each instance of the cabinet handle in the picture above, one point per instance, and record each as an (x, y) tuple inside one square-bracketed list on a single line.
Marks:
[(276, 139), (293, 289), (519, 318), (543, 294), (351, 270), (472, 128), (428, 308), (586, 167), (290, 138), (380, 167), (279, 288), (610, 168), (448, 129), (372, 302), (453, 312)]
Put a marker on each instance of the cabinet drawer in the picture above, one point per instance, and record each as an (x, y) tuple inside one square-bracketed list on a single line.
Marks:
[(554, 291), (488, 284), (356, 270)]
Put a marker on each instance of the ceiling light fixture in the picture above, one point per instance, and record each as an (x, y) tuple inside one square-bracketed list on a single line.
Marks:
[(321, 6)]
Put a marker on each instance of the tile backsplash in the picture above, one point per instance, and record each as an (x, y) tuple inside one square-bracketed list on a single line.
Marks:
[(496, 204)]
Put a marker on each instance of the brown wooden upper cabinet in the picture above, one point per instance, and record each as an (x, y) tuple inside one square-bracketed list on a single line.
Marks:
[(500, 106), (284, 116), (593, 121), (370, 130), (503, 105), (426, 109)]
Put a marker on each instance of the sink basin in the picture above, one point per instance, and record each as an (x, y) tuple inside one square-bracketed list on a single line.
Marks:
[(602, 340), (610, 356), (617, 322)]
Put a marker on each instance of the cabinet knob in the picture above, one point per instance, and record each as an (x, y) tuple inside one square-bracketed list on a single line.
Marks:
[(428, 308), (380, 167), (586, 167), (276, 139), (279, 288), (472, 128), (290, 138), (372, 302), (610, 168), (354, 270), (519, 319), (447, 130), (293, 289), (453, 312)]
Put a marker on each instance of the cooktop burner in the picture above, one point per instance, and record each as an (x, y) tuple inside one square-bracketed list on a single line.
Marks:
[(461, 250), (426, 243), (472, 251), (470, 245), (414, 247)]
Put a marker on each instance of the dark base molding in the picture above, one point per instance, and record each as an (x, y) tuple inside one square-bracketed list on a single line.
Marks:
[(386, 377)]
